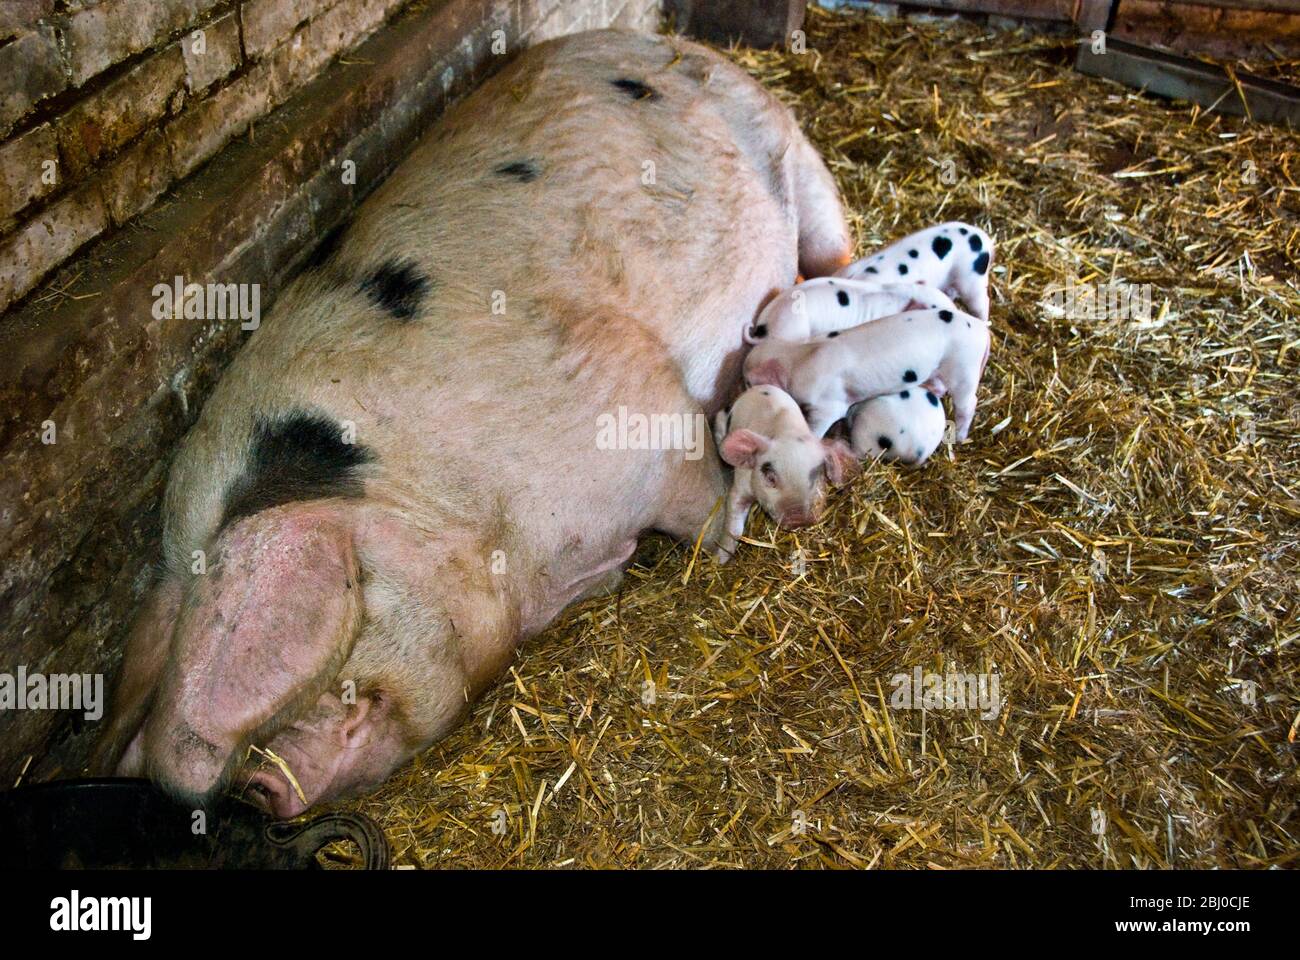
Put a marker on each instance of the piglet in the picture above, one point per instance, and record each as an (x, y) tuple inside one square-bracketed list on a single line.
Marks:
[(820, 306), (954, 257), (778, 462), (906, 426), (942, 349)]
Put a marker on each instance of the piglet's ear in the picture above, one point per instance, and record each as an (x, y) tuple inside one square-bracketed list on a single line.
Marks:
[(841, 461), (740, 447), (768, 372)]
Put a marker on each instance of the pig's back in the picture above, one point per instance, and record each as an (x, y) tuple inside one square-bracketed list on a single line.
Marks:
[(607, 203)]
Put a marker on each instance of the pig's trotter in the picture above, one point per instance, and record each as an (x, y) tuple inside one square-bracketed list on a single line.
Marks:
[(143, 659), (824, 244)]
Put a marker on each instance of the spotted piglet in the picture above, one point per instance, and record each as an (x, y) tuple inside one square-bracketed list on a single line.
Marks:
[(826, 304), (778, 462), (953, 257), (906, 426), (944, 350)]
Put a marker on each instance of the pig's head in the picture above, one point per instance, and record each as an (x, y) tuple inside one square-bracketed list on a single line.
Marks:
[(905, 427), (790, 473), (271, 689)]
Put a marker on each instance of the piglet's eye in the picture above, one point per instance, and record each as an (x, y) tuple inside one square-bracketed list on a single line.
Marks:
[(769, 473)]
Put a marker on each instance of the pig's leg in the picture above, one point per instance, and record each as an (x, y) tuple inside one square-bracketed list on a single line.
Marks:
[(259, 637), (962, 390), (974, 292), (738, 504), (824, 244), (695, 489), (143, 659)]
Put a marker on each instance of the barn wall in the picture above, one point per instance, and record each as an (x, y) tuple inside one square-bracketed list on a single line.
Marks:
[(132, 153)]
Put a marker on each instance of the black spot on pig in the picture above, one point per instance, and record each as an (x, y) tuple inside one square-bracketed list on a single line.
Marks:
[(842, 297), (525, 171), (941, 246), (981, 264), (636, 89), (832, 335), (934, 401), (962, 230), (905, 394), (902, 268), (871, 270), (328, 246), (397, 288), (909, 376), (299, 455), (885, 442), (945, 316), (913, 254), (975, 243)]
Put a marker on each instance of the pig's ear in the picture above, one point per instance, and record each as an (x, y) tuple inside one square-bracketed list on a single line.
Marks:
[(767, 372), (841, 462), (740, 447), (257, 640)]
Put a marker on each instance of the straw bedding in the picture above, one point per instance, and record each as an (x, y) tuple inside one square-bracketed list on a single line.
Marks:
[(1118, 540)]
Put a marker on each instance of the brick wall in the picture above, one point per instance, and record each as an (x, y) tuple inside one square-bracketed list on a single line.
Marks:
[(144, 140)]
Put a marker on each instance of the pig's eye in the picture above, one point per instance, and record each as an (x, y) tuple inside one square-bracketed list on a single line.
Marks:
[(769, 474)]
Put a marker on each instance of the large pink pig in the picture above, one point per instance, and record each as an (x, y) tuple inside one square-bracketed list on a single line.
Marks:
[(399, 477)]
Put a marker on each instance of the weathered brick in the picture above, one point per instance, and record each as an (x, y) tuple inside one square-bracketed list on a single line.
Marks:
[(536, 13), (268, 23), (23, 174), (96, 127), (19, 15), (208, 125), (134, 182), (639, 15), (31, 69), (220, 54), (301, 57), (105, 34), (47, 240)]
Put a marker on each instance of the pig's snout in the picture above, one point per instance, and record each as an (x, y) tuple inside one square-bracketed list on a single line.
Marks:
[(794, 518), (271, 790)]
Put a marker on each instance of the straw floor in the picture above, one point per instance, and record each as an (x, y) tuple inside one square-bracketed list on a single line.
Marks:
[(1117, 541)]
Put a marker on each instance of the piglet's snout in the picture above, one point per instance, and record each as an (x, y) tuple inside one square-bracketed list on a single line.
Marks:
[(796, 515)]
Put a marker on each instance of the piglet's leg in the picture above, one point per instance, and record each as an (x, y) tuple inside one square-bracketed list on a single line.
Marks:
[(973, 291), (963, 404), (738, 505)]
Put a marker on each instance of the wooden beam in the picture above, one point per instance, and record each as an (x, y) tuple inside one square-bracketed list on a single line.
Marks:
[(1182, 78), (755, 23)]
